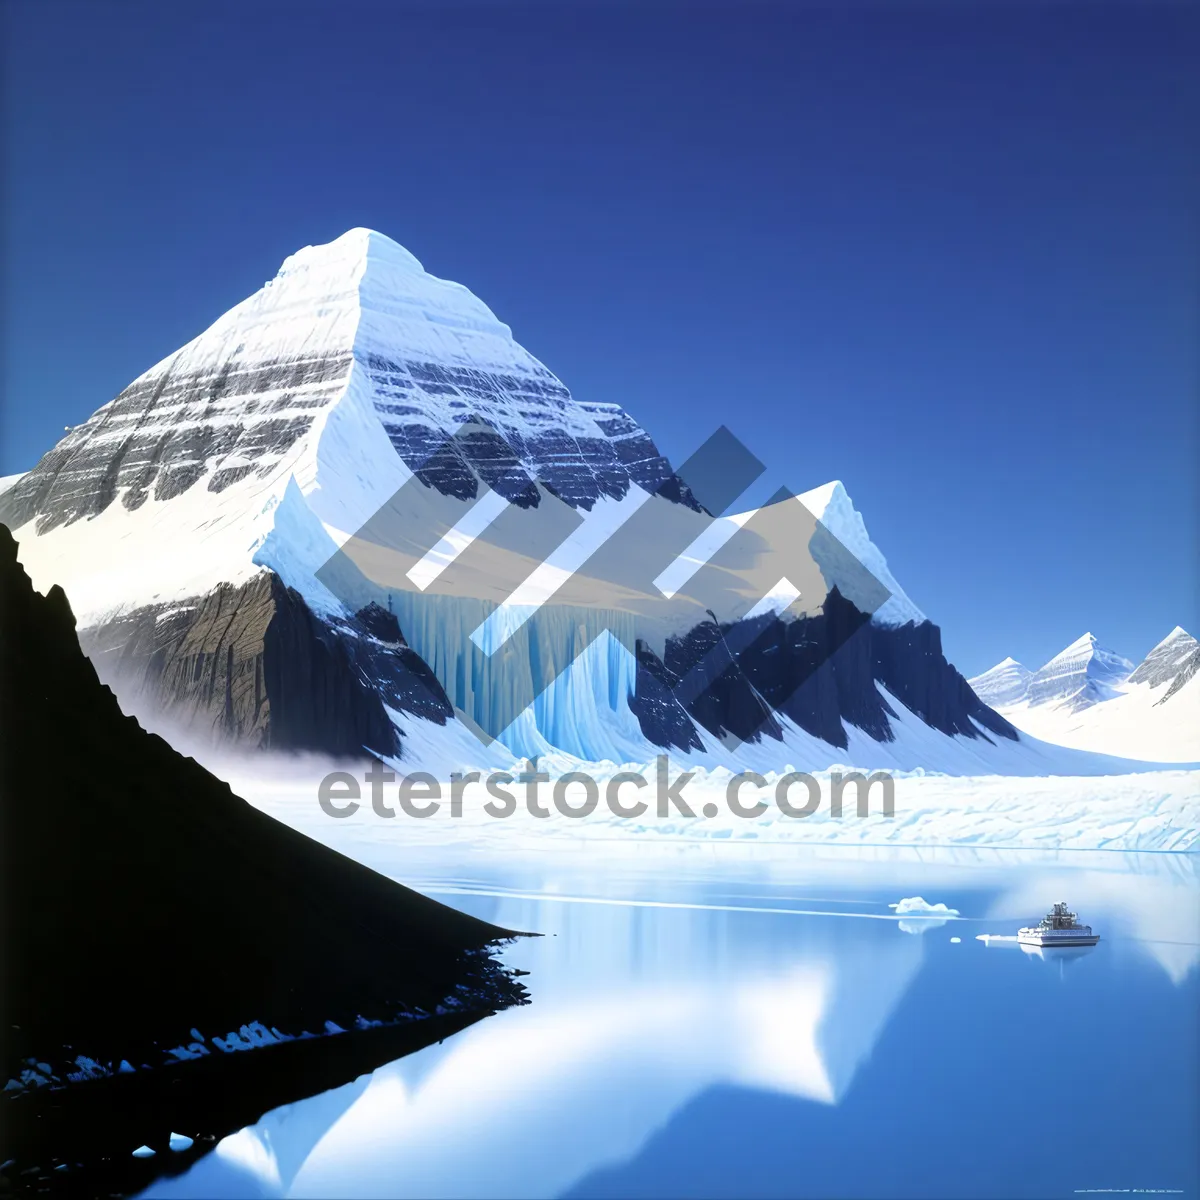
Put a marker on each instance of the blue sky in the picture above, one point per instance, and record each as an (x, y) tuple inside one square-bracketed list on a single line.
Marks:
[(944, 252)]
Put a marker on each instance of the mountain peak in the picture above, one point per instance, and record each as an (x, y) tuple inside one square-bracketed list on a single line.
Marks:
[(829, 495), (1087, 646), (1004, 684), (831, 505), (1080, 675), (1177, 656), (350, 370), (356, 245), (366, 272)]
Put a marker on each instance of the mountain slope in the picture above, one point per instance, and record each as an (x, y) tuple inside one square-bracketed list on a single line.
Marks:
[(1140, 722), (832, 506), (1004, 684)]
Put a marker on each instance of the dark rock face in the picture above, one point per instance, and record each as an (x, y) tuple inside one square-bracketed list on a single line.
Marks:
[(162, 433), (727, 701), (254, 665), (819, 671), (380, 623), (170, 429), (909, 662), (523, 435), (663, 719), (318, 692), (143, 906)]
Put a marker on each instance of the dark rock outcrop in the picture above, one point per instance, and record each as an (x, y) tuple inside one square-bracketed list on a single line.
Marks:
[(819, 671), (254, 665), (909, 662), (516, 440), (663, 719), (145, 907)]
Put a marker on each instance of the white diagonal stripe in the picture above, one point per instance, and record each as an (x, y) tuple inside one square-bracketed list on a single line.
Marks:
[(701, 548), (469, 526), (783, 595)]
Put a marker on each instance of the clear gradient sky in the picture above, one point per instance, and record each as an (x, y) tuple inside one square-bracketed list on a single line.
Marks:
[(946, 253)]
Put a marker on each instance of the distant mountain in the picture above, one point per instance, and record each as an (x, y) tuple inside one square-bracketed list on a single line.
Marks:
[(1083, 674), (1007, 683), (1174, 661), (1089, 698)]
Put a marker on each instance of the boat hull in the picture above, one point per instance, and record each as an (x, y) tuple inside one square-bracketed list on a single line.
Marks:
[(1033, 939)]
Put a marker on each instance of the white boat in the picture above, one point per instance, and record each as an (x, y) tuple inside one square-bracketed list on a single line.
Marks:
[(1058, 928)]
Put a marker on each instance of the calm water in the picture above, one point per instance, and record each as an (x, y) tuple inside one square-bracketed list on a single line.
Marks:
[(720, 1026)]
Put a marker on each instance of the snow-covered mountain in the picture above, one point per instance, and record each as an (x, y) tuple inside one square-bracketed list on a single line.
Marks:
[(193, 519), (343, 372), (1004, 684), (1174, 661), (1089, 698), (1084, 673)]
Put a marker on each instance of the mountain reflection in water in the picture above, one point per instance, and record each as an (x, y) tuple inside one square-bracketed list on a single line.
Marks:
[(727, 1050)]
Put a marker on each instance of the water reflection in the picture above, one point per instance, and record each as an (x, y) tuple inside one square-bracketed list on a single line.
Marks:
[(641, 1011), (677, 1000), (1061, 957), (1151, 912), (532, 1099)]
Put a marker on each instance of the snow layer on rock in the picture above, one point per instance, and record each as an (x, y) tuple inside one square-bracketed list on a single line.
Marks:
[(296, 547), (162, 552)]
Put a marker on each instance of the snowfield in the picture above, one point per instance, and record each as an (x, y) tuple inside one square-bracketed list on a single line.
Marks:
[(1137, 723)]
